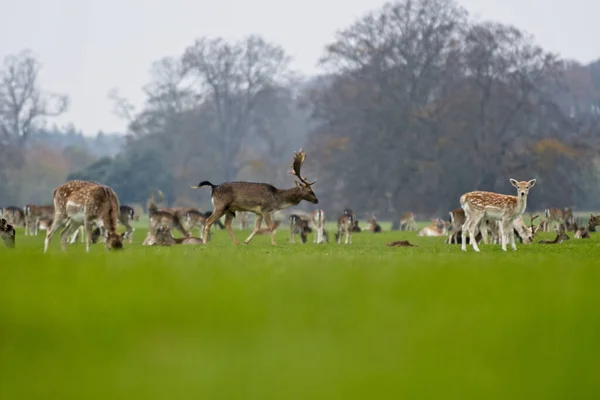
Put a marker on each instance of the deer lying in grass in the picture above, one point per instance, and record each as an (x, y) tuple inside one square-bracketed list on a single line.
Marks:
[(593, 223), (374, 227), (562, 217), (298, 226), (77, 203), (33, 213), (581, 232), (408, 221), (15, 216), (561, 236), (479, 205), (319, 219), (401, 243), (262, 199), (164, 237), (265, 230), (345, 225), (438, 228), (171, 217), (7, 233)]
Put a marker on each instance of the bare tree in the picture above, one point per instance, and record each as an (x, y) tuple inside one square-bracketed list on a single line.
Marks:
[(22, 101)]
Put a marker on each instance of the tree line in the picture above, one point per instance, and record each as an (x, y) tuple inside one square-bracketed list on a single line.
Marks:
[(416, 104)]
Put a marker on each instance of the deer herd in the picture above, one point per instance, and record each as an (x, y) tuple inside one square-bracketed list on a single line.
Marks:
[(92, 210)]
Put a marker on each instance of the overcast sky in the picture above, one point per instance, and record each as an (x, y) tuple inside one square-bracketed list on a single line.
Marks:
[(88, 47)]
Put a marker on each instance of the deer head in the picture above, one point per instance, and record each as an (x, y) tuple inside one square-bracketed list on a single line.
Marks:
[(523, 187), (303, 185)]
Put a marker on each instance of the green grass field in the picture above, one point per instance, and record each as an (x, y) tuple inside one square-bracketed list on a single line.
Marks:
[(300, 321)]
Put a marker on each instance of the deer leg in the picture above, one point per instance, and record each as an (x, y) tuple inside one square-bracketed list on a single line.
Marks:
[(463, 232), (271, 227), (66, 233), (59, 222), (292, 235), (257, 223), (228, 221), (474, 225), (503, 234), (217, 213), (512, 237)]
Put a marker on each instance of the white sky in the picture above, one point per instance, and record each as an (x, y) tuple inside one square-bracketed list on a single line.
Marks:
[(88, 47)]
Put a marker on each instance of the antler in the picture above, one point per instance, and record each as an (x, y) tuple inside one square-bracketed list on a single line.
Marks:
[(297, 165), (532, 218)]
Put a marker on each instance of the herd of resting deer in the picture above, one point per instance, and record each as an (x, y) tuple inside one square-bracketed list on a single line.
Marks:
[(92, 210)]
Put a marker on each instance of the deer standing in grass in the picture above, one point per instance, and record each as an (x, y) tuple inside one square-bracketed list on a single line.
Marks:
[(298, 226), (13, 215), (345, 223), (408, 221), (7, 233), (480, 205), (262, 199), (85, 203), (561, 217), (319, 218), (33, 213)]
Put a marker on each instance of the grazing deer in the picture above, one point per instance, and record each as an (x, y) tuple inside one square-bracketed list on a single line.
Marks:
[(33, 213), (374, 227), (262, 199), (319, 218), (562, 217), (13, 215), (195, 219), (45, 223), (172, 217), (345, 225), (408, 221), (561, 236), (480, 205), (298, 226), (593, 223), (439, 228), (355, 227), (401, 243), (581, 232), (7, 233), (77, 203)]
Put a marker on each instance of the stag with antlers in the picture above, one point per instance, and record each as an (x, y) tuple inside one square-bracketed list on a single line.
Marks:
[(262, 199)]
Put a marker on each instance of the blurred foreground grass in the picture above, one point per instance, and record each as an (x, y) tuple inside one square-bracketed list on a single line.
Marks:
[(300, 321)]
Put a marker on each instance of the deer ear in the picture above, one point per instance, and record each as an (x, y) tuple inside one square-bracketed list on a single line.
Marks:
[(514, 182), (531, 183)]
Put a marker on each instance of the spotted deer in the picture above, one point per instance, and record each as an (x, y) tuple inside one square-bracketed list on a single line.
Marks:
[(15, 216), (319, 219), (261, 199), (298, 226), (408, 221), (126, 215), (480, 205), (594, 222), (345, 223), (563, 217), (581, 232), (164, 237), (79, 202), (173, 218), (33, 213), (7, 233)]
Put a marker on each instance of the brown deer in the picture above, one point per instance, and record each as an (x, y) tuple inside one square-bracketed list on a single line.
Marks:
[(355, 227), (319, 219), (33, 213), (581, 232), (77, 203), (298, 226), (126, 215), (563, 217), (345, 225), (172, 217), (374, 227), (262, 199), (593, 223), (264, 231), (408, 221), (13, 215), (480, 205), (7, 233), (561, 236), (401, 243), (195, 219), (164, 237)]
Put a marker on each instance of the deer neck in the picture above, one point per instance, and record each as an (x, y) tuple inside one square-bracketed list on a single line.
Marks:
[(289, 197), (521, 205)]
